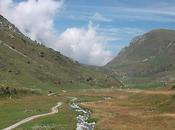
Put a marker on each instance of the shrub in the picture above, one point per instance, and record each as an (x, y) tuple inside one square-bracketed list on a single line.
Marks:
[(173, 87), (89, 79), (42, 54), (7, 91)]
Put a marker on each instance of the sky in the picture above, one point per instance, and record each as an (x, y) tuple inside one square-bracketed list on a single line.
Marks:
[(89, 31)]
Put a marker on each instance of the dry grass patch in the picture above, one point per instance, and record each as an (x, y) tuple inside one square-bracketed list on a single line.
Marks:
[(133, 110)]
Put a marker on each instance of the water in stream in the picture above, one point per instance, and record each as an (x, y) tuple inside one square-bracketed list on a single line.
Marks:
[(82, 123)]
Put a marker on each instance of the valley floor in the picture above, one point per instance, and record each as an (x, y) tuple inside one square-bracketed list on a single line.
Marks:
[(134, 110), (112, 109)]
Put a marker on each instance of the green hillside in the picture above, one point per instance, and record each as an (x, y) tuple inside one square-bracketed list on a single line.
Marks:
[(27, 64), (149, 60)]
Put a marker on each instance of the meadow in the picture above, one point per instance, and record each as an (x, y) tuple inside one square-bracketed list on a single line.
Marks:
[(112, 109)]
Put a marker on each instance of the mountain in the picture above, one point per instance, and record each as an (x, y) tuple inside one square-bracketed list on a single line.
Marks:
[(149, 59), (27, 64)]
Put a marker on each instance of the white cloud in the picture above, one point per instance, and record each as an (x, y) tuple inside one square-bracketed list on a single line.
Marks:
[(35, 18), (98, 17), (85, 45)]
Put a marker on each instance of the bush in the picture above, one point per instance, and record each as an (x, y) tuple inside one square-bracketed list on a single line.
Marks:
[(173, 87), (89, 79), (42, 54), (7, 91)]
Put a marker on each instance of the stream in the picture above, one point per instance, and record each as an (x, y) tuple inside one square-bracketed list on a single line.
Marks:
[(82, 118)]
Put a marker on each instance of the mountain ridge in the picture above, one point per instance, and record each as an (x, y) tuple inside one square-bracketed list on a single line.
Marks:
[(149, 58)]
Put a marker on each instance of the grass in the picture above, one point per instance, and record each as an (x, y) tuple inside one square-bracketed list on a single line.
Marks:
[(143, 85), (14, 110), (64, 120), (89, 98)]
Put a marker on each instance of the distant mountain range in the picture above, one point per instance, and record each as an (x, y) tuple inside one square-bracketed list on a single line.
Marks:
[(27, 64), (148, 60)]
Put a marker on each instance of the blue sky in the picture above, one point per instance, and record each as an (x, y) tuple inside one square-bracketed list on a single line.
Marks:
[(89, 31), (124, 18)]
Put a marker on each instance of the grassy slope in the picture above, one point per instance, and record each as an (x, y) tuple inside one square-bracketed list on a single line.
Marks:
[(148, 60), (25, 63)]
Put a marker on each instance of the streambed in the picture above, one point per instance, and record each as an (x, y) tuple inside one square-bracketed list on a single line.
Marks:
[(82, 123)]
